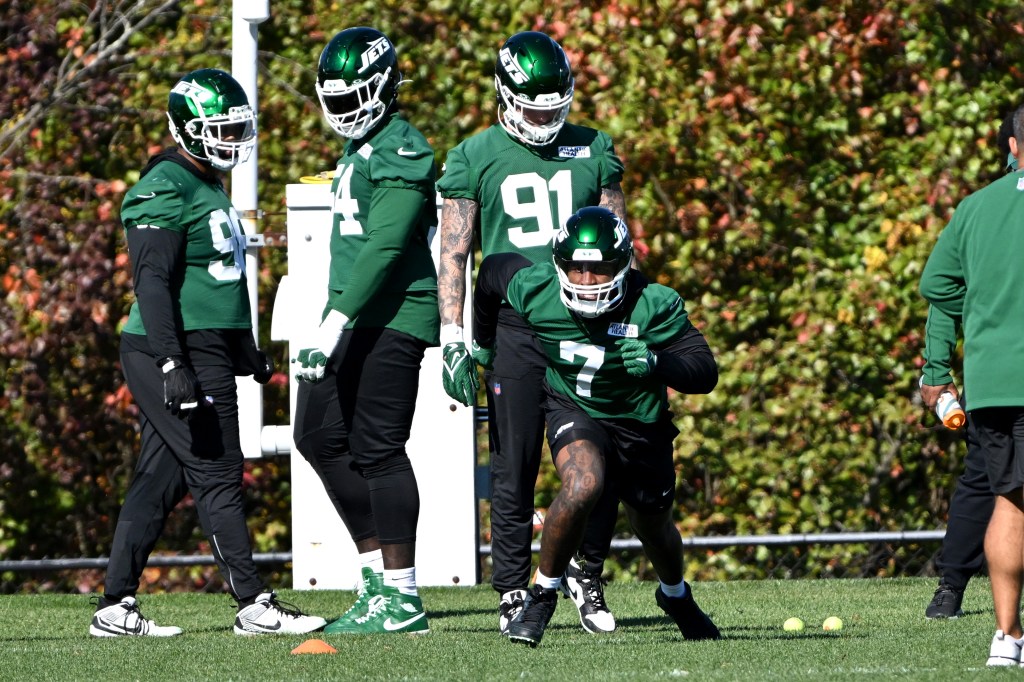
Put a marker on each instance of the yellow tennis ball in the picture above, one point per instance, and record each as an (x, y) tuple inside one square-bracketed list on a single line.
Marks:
[(832, 624), (793, 625)]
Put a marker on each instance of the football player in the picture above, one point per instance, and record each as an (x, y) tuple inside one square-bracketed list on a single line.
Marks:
[(613, 342), (360, 368), (189, 333), (518, 182)]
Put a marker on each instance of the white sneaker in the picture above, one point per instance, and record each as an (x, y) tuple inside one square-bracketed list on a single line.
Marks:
[(1005, 650), (585, 586), (268, 616), (124, 618)]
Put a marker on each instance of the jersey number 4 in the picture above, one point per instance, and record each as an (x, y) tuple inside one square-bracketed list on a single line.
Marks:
[(345, 205)]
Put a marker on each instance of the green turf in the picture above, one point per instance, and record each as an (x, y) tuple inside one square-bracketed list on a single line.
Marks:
[(885, 636)]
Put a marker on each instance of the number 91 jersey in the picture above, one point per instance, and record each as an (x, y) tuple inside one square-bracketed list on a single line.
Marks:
[(527, 193), (211, 292)]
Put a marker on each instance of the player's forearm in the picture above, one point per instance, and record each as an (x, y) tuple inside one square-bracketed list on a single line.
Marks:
[(614, 200), (457, 219), (393, 217), (491, 288), (688, 365), (939, 346), (154, 254)]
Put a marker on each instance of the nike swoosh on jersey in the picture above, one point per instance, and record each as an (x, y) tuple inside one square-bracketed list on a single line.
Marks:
[(146, 196), (391, 625), (402, 151)]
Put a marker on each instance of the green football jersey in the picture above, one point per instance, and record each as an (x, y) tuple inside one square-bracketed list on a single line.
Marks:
[(382, 272), (584, 360), (213, 293), (525, 193)]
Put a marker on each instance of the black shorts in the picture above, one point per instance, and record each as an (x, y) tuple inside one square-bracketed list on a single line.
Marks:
[(638, 455), (1000, 435)]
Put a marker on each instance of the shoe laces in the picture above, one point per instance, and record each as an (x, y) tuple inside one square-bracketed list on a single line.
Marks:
[(944, 593), (539, 606), (593, 588), (141, 624), (376, 605), (284, 608)]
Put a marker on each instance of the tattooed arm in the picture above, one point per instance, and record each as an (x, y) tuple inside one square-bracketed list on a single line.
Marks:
[(458, 216), (613, 199)]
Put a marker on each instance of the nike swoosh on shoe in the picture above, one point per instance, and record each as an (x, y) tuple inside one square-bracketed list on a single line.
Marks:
[(262, 628), (105, 626), (390, 625)]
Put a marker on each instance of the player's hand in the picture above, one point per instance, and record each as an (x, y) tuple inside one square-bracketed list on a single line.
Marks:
[(312, 359), (483, 356), (181, 387), (459, 371), (637, 357), (264, 368), (930, 394), (312, 365)]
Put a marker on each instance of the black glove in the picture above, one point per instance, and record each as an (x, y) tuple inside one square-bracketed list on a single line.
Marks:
[(181, 387), (264, 368)]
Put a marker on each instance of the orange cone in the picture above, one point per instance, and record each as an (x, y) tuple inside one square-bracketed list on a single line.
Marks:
[(314, 646)]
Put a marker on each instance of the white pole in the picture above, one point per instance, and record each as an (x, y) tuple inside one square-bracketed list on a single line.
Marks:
[(246, 16)]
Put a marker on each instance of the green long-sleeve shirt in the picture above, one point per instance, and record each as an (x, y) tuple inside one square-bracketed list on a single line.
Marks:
[(975, 274), (382, 273), (940, 332)]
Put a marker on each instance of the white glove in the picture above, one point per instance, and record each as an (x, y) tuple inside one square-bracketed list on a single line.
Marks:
[(313, 358)]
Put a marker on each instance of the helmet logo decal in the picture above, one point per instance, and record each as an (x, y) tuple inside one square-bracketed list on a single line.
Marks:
[(188, 89), (512, 68), (620, 232), (373, 52)]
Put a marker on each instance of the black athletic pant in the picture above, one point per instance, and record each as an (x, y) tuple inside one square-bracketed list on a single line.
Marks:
[(353, 427), (963, 548), (515, 408), (201, 455)]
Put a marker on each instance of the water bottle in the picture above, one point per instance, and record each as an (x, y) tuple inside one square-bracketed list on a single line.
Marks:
[(949, 411)]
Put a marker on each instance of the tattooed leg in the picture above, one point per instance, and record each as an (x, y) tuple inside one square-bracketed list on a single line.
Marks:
[(581, 468)]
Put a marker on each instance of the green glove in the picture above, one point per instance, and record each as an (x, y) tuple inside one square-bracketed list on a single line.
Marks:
[(483, 356), (459, 371), (637, 357)]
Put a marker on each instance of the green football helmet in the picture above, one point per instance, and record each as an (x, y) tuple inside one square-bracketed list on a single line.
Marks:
[(357, 80), (535, 87), (594, 239), (209, 115)]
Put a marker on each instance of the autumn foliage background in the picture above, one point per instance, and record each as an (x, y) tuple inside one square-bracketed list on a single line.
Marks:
[(789, 166)]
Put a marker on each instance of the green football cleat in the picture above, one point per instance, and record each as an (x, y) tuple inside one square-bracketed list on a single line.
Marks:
[(370, 587), (404, 613), (389, 611)]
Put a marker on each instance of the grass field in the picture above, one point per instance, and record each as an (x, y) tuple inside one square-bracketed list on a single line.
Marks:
[(885, 636)]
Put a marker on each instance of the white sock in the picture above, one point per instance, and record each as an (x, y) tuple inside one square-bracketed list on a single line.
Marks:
[(402, 579), (675, 591), (373, 560), (546, 582)]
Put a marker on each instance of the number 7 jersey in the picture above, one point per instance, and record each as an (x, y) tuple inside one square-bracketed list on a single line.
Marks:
[(527, 193), (584, 355)]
